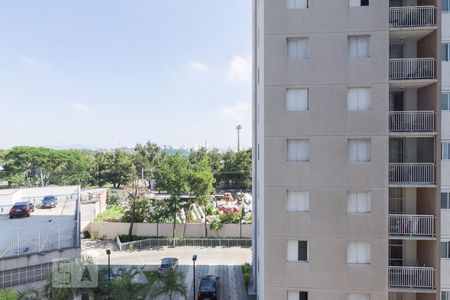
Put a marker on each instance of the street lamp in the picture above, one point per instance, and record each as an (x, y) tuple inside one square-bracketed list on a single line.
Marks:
[(238, 128), (108, 252), (194, 258)]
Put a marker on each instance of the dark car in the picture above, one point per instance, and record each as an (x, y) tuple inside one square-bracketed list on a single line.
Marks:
[(19, 209), (208, 288), (168, 263), (49, 202)]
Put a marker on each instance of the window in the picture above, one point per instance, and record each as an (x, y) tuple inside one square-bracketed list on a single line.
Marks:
[(358, 253), (358, 202), (445, 200), (445, 5), (359, 150), (358, 46), (354, 3), (358, 99), (298, 150), (445, 101), (445, 52), (297, 4), (445, 249), (298, 48), (446, 150), (295, 295), (297, 251), (358, 297), (297, 201), (396, 253), (297, 100), (445, 295)]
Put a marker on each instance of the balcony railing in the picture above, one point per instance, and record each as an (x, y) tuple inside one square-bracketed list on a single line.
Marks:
[(411, 121), (412, 68), (411, 277), (412, 16), (412, 173), (411, 225)]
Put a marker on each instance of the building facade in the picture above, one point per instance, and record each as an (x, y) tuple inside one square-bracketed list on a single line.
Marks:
[(445, 162), (347, 149)]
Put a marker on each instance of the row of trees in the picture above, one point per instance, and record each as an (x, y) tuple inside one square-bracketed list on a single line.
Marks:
[(30, 166)]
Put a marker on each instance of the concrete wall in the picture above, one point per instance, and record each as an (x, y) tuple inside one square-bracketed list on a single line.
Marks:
[(110, 230)]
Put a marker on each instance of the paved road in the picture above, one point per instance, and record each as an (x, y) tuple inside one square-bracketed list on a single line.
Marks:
[(231, 282)]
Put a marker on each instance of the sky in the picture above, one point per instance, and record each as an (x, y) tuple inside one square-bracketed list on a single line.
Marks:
[(107, 73)]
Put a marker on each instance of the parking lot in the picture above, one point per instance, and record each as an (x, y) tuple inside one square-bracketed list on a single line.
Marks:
[(45, 229), (223, 262)]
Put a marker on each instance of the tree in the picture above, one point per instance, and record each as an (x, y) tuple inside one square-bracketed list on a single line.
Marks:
[(236, 172), (168, 283), (172, 177), (201, 184), (28, 294), (147, 159), (120, 169), (216, 226)]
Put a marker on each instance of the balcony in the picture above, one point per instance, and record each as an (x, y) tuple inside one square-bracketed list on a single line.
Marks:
[(412, 16), (412, 174), (412, 69), (411, 121), (411, 226), (411, 277)]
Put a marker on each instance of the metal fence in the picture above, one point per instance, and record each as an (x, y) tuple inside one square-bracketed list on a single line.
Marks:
[(412, 16), (411, 277), (195, 242), (412, 173), (34, 239), (411, 225), (412, 68), (411, 121)]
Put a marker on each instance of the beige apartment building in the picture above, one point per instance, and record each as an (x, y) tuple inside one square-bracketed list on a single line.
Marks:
[(347, 149)]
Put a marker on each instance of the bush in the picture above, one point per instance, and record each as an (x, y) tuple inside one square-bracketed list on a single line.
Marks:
[(230, 218), (115, 198), (111, 214), (246, 273)]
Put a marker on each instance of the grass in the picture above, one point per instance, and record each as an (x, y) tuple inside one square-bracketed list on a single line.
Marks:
[(246, 273), (113, 213), (145, 289), (6, 294)]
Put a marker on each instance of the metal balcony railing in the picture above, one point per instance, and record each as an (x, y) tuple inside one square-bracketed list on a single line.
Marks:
[(411, 225), (412, 68), (411, 121), (412, 16), (411, 277), (412, 173)]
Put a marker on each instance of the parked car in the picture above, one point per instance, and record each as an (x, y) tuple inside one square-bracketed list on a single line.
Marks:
[(30, 206), (168, 263), (19, 209), (49, 202), (208, 288)]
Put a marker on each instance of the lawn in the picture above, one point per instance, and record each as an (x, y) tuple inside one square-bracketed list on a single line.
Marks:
[(111, 214)]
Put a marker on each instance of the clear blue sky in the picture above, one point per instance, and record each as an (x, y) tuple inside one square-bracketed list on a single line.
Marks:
[(104, 73)]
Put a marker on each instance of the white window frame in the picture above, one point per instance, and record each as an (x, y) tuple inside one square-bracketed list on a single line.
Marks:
[(447, 200), (358, 145), (359, 207), (297, 248), (359, 98), (445, 294), (358, 51), (447, 249), (297, 40), (297, 192), (297, 158), (445, 98), (358, 260), (357, 3), (293, 91), (295, 4)]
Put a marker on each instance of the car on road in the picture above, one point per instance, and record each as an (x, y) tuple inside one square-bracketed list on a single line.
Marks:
[(208, 288), (168, 263), (30, 206), (49, 202), (20, 209)]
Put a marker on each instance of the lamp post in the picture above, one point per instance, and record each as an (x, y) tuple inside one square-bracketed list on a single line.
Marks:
[(194, 258), (238, 128), (108, 252)]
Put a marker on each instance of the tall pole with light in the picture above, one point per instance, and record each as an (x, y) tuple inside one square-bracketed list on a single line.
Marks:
[(194, 258), (238, 128), (108, 252)]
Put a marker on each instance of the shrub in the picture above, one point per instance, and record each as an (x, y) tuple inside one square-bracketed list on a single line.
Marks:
[(246, 273)]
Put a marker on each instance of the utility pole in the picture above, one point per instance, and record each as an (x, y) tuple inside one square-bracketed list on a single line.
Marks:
[(238, 128)]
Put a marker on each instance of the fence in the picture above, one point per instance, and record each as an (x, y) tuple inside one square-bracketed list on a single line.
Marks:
[(411, 121), (412, 16), (411, 225), (202, 242), (411, 277), (412, 68), (32, 239), (412, 173)]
